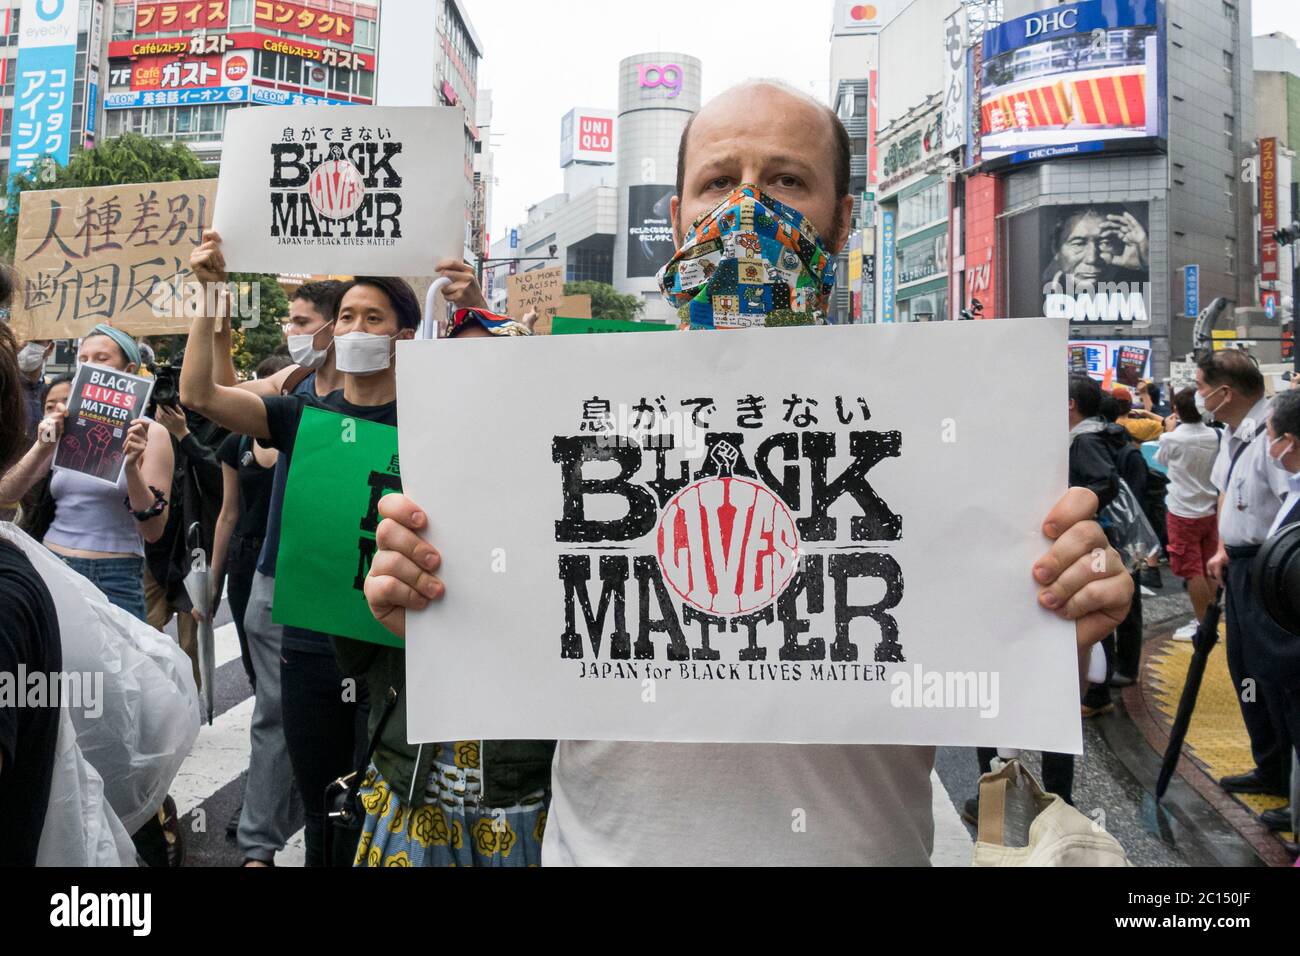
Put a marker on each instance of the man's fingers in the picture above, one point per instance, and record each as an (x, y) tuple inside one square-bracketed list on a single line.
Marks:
[(404, 511), (392, 537), (392, 616), (1079, 504), (1099, 608), (390, 564), (454, 265), (1081, 539), (1098, 565)]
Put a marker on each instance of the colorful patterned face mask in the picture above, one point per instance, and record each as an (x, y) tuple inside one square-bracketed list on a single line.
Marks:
[(752, 261)]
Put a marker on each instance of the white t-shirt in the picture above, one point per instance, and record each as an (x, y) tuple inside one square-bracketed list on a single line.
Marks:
[(1189, 452), (647, 804)]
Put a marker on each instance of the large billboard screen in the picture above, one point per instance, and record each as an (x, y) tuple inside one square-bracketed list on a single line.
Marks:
[(1072, 79), (649, 230), (1093, 264)]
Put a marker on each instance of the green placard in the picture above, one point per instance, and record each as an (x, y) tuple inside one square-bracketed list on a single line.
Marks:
[(341, 467), (563, 326)]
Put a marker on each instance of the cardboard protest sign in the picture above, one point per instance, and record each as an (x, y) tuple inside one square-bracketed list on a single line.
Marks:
[(341, 468), (538, 289), (575, 307), (572, 326), (572, 306), (782, 537), (352, 190), (105, 253), (101, 406)]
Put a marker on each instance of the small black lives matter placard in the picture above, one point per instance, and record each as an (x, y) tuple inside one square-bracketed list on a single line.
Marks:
[(346, 189), (101, 407)]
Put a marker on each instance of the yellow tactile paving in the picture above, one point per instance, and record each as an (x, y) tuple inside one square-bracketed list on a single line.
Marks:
[(1216, 736)]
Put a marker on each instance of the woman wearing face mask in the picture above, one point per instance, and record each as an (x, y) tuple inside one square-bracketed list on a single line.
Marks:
[(100, 530)]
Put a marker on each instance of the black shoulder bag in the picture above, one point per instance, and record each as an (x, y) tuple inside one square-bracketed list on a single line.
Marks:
[(343, 810)]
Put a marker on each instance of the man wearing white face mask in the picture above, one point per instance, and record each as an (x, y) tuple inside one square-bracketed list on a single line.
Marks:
[(270, 814), (320, 728), (1230, 387)]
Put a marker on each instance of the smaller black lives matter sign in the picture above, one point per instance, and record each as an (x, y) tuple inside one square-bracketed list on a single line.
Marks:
[(352, 190), (102, 405)]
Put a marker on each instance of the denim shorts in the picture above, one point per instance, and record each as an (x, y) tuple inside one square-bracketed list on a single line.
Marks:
[(121, 580)]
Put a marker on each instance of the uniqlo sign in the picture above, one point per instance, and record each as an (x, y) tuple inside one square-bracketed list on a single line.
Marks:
[(595, 134), (587, 136), (1268, 220)]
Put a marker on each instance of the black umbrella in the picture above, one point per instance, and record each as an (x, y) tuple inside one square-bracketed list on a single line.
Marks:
[(1207, 635)]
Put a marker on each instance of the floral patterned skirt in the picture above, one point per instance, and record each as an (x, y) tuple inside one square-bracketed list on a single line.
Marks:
[(451, 827)]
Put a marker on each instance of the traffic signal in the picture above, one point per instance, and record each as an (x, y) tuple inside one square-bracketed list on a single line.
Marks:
[(1287, 235)]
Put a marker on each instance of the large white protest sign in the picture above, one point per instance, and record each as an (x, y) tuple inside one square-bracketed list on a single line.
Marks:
[(803, 535), (347, 190)]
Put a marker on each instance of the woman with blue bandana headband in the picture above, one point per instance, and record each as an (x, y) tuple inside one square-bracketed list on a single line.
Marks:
[(100, 530)]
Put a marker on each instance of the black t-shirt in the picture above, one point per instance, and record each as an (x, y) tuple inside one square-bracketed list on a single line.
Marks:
[(283, 413), (29, 727), (266, 560), (254, 485)]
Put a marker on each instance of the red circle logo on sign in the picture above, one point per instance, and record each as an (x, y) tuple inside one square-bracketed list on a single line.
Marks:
[(336, 189), (236, 68), (727, 545)]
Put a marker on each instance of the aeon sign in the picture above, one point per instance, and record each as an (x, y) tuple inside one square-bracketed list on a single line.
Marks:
[(669, 76)]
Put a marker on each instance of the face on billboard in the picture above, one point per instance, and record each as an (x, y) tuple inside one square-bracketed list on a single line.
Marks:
[(1062, 82), (1097, 244), (1094, 263)]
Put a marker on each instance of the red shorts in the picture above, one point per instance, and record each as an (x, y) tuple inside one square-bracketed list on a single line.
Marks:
[(1192, 542)]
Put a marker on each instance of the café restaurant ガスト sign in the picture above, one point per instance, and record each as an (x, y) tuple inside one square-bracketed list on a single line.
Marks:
[(740, 538)]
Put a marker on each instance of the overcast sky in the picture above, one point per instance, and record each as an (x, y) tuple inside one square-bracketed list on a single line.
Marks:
[(544, 57)]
